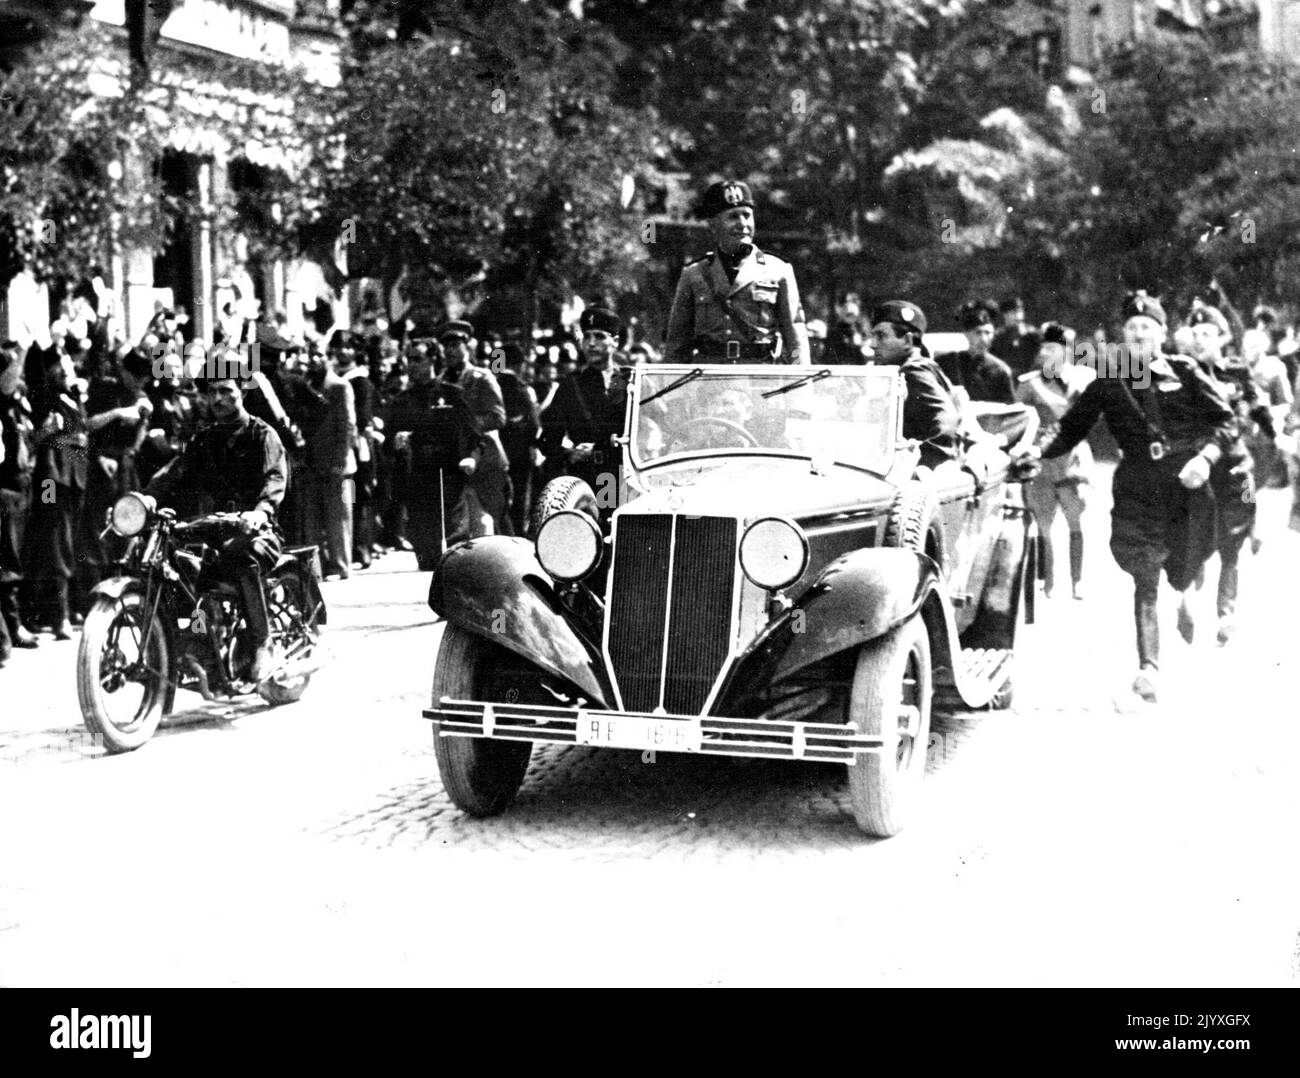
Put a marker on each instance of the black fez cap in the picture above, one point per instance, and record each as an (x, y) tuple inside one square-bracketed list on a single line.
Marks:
[(1054, 333), (1139, 303), (602, 319), (456, 328), (978, 312), (900, 313), (1202, 314), (725, 195)]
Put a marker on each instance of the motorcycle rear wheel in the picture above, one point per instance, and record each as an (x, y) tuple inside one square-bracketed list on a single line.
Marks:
[(112, 626)]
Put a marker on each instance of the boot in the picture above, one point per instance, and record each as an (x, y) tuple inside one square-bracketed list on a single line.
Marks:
[(60, 623), (1186, 623), (1046, 564), (1076, 564)]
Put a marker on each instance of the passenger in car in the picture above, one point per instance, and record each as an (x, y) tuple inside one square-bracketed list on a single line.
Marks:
[(930, 413)]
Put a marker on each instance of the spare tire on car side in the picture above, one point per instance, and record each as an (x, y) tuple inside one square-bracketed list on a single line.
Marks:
[(565, 493)]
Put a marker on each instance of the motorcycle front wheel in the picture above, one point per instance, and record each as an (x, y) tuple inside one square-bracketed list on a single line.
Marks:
[(122, 672)]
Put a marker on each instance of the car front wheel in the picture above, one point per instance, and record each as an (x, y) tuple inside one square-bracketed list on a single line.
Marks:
[(481, 776), (891, 698)]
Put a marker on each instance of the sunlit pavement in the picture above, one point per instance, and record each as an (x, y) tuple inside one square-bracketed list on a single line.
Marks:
[(1066, 842)]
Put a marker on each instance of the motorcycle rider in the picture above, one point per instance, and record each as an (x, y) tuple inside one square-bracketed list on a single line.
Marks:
[(236, 463)]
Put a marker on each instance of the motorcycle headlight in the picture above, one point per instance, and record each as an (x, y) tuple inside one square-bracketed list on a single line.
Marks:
[(568, 545), (130, 514), (774, 552)]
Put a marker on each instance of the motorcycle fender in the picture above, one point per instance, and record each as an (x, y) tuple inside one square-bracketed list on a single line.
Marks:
[(495, 587), (114, 587), (859, 597)]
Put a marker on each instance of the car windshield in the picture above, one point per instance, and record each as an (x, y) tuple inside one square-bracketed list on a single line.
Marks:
[(844, 415)]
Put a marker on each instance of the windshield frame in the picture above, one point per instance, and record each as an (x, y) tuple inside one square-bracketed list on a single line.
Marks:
[(779, 375)]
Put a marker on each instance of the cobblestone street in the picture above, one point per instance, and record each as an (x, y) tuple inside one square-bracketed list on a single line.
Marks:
[(1063, 843)]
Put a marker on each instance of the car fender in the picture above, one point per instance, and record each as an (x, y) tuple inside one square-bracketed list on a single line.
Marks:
[(495, 587), (858, 597)]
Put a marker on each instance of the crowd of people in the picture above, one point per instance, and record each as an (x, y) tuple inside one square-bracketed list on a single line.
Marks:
[(391, 444)]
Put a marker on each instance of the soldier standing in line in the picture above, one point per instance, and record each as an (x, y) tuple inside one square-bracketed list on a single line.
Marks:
[(736, 303), (1173, 425), (16, 462), (1016, 344), (1050, 390)]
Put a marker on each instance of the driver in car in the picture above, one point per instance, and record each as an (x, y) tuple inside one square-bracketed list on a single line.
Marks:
[(235, 464)]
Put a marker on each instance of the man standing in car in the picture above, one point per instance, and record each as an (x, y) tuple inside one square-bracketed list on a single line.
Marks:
[(736, 303)]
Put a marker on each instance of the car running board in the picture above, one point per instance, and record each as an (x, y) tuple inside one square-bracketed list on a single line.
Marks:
[(981, 673)]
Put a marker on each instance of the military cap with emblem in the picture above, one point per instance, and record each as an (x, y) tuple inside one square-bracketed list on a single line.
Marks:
[(1054, 333), (725, 195), (978, 312), (601, 320), (1139, 304), (900, 313), (1204, 314), (456, 328)]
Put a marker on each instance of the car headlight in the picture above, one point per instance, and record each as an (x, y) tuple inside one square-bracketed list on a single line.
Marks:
[(774, 552), (130, 513), (568, 545)]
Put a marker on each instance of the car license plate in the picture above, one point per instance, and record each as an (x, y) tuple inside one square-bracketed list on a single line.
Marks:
[(638, 732)]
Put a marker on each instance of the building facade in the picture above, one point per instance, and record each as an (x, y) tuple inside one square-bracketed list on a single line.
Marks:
[(207, 260)]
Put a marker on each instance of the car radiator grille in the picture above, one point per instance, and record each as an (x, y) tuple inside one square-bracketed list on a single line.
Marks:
[(670, 616)]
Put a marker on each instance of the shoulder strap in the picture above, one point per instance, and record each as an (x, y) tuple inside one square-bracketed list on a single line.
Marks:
[(724, 301)]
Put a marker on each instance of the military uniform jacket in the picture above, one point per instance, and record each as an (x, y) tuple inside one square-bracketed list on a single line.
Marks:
[(585, 411), (1181, 407), (930, 414), (1051, 399), (228, 467), (764, 303)]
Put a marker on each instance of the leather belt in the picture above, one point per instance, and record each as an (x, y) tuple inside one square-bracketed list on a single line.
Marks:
[(733, 350)]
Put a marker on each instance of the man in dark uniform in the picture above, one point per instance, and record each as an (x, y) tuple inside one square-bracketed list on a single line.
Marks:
[(432, 440), (519, 435), (1016, 344), (930, 413), (236, 464), (734, 304), (977, 372), (1233, 477), (588, 409), (16, 463), (1173, 425)]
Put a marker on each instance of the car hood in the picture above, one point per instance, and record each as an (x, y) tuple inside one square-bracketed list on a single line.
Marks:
[(759, 487)]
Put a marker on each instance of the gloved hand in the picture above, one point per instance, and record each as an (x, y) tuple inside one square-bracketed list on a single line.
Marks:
[(253, 520), (468, 465), (1195, 473)]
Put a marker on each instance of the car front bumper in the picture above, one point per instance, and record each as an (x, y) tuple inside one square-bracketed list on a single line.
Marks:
[(709, 734)]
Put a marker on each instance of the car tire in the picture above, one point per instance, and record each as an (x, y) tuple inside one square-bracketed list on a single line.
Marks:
[(908, 524), (566, 492), (892, 679), (480, 776)]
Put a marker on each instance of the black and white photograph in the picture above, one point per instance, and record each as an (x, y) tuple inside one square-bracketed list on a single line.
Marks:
[(631, 493)]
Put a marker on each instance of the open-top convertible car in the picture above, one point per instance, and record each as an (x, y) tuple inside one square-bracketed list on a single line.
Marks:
[(780, 578)]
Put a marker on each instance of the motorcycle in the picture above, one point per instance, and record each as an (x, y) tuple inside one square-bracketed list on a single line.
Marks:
[(168, 620)]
